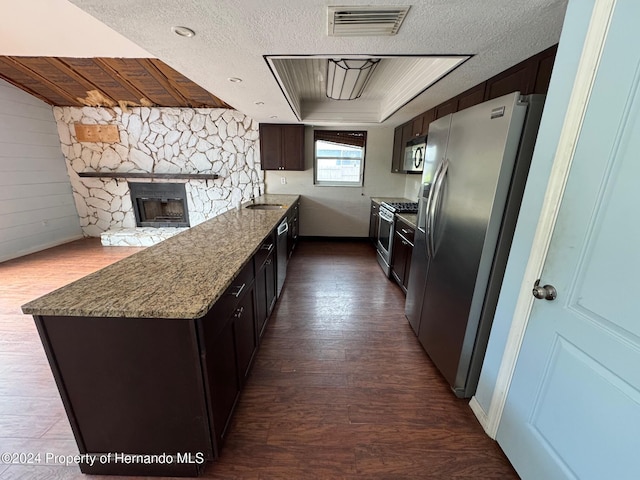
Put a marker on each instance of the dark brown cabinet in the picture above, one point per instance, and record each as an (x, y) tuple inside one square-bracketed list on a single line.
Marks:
[(163, 386), (443, 109), (374, 220), (265, 286), (281, 146), (397, 157), (530, 76), (244, 329), (131, 385), (222, 377), (521, 79), (293, 221), (420, 124), (228, 344), (401, 136), (417, 127), (471, 97), (402, 250)]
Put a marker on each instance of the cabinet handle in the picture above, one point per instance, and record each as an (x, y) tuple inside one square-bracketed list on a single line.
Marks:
[(268, 262), (405, 231), (238, 290), (239, 312), (267, 246)]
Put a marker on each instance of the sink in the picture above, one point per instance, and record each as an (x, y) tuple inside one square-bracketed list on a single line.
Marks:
[(265, 206)]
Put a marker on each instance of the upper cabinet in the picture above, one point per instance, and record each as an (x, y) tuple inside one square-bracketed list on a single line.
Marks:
[(398, 151), (530, 76), (420, 124), (401, 136), (471, 97), (281, 146)]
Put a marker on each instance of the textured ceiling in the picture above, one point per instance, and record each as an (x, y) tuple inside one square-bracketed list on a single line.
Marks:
[(233, 37)]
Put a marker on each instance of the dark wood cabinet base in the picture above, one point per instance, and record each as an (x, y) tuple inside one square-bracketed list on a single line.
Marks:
[(155, 396)]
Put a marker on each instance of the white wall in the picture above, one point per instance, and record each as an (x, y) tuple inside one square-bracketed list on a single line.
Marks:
[(37, 210), (564, 72), (341, 211)]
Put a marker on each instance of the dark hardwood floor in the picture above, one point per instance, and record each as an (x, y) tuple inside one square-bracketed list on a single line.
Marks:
[(340, 388)]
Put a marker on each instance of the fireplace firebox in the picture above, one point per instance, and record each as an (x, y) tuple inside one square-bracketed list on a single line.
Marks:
[(159, 204)]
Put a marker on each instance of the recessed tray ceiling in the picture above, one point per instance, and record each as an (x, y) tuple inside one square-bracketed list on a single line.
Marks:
[(395, 82)]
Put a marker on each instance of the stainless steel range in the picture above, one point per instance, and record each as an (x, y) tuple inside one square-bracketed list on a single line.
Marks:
[(386, 228)]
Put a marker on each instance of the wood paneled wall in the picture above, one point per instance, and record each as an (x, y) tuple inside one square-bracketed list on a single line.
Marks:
[(105, 82), (37, 209)]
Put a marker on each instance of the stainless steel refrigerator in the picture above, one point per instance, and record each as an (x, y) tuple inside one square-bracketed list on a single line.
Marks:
[(476, 165)]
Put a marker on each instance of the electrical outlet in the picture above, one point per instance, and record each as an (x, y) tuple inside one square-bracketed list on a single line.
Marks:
[(283, 180)]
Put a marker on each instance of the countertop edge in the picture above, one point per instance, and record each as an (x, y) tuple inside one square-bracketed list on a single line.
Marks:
[(54, 303)]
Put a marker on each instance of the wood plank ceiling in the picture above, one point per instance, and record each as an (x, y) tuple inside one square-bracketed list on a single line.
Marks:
[(105, 82)]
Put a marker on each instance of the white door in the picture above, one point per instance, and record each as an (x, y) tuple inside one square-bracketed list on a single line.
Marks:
[(573, 408)]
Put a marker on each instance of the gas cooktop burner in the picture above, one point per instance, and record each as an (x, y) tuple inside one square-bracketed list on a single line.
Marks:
[(401, 207)]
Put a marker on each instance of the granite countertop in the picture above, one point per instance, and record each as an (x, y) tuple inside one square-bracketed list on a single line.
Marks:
[(379, 200), (181, 277)]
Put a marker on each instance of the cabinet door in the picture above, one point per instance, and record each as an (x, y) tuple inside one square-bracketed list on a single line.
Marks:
[(221, 373), (245, 335), (292, 147), (545, 67), (520, 78), (398, 151), (270, 282), (471, 97), (270, 146), (261, 300), (446, 108), (292, 233), (373, 223), (407, 267), (420, 124), (265, 293), (416, 126), (399, 259)]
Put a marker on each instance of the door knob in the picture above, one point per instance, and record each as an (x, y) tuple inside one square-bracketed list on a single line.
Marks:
[(546, 292)]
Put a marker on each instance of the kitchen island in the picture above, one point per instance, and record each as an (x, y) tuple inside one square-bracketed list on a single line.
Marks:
[(150, 354)]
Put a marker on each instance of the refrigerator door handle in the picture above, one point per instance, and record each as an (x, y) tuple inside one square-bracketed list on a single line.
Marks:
[(433, 205), (427, 208)]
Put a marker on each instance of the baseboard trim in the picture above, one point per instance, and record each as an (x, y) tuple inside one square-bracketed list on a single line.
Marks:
[(314, 238), (481, 415), (41, 247)]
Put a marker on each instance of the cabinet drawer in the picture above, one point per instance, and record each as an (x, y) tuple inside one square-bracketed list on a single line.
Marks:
[(404, 229), (231, 297), (264, 251)]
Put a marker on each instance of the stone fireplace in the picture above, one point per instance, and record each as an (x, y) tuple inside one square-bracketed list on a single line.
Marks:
[(159, 142), (159, 204)]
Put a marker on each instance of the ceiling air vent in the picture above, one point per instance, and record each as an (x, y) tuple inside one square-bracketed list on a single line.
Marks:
[(366, 21)]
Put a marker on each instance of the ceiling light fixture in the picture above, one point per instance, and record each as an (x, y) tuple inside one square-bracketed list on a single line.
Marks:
[(346, 78), (234, 79), (183, 31)]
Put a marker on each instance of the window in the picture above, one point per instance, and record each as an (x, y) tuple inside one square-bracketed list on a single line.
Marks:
[(339, 157)]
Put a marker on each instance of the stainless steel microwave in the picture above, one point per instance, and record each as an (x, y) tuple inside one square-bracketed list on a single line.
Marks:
[(414, 154)]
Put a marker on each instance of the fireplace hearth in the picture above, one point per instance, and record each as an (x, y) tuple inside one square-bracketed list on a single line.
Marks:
[(159, 204)]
